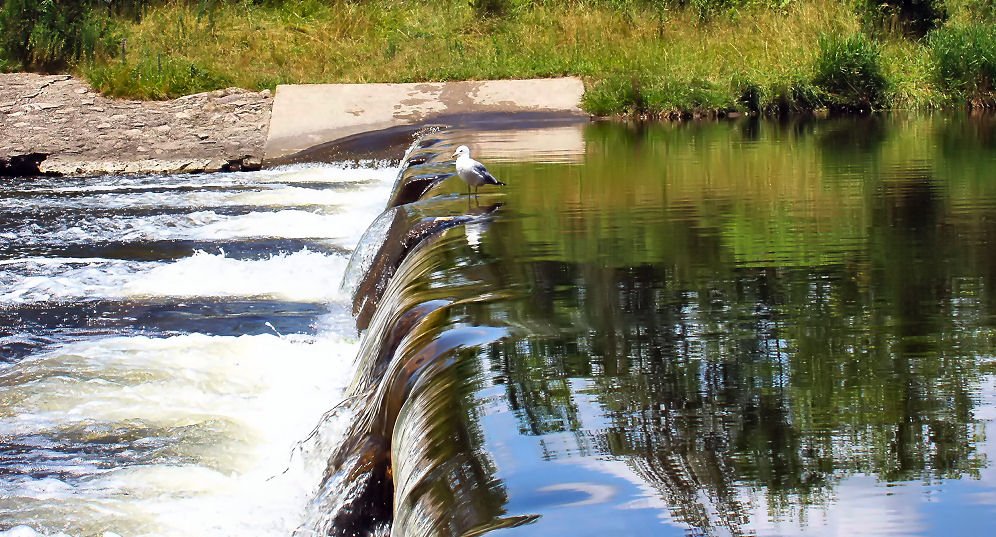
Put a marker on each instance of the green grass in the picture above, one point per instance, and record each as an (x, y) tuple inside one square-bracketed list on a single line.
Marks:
[(654, 58), (965, 59), (848, 71)]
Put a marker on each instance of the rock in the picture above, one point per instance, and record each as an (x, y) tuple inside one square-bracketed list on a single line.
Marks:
[(216, 165), (83, 132)]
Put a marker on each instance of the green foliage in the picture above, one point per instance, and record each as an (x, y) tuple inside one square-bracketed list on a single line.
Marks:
[(794, 96), (906, 17), (492, 8), (52, 34), (849, 71), (657, 58), (153, 77), (638, 95), (614, 95), (965, 59), (972, 11)]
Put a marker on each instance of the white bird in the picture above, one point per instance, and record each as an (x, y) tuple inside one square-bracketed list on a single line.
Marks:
[(472, 172)]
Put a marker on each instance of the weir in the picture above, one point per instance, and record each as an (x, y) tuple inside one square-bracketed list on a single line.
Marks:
[(407, 344), (581, 353)]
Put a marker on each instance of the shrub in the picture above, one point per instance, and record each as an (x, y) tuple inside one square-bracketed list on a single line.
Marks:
[(616, 94), (633, 95), (965, 62), (153, 77), (52, 34), (911, 17), (849, 71), (492, 8)]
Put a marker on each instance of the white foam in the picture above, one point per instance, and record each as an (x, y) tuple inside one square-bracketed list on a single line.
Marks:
[(192, 434), (303, 276), (263, 195), (380, 171), (249, 400)]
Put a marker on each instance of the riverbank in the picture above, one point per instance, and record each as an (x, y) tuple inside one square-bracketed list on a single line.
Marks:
[(638, 58), (57, 124)]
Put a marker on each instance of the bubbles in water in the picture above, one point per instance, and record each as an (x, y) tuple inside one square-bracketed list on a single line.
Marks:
[(188, 434)]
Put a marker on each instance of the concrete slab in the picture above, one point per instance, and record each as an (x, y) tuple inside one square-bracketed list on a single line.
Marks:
[(305, 116)]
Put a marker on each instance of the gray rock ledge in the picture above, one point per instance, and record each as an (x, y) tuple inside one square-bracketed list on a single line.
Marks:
[(56, 125)]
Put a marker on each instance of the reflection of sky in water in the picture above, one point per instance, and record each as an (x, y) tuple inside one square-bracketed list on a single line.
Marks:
[(562, 489), (564, 477)]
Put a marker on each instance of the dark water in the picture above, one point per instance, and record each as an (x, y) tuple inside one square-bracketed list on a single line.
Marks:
[(727, 328)]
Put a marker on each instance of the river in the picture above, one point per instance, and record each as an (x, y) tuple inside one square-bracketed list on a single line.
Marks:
[(710, 328)]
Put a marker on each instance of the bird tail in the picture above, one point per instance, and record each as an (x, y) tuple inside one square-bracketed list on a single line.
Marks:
[(494, 181)]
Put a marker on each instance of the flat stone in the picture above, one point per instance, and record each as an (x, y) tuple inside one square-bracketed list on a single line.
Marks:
[(85, 133), (304, 116)]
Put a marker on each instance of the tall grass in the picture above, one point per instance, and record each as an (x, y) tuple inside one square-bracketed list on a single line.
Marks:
[(966, 62), (52, 34), (677, 60), (665, 58), (848, 70)]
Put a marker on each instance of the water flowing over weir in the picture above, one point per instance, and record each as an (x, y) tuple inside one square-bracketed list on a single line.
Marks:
[(173, 347)]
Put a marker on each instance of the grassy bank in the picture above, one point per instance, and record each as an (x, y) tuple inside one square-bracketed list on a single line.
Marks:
[(647, 57)]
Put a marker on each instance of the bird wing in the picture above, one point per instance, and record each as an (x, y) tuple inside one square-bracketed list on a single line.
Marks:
[(483, 172)]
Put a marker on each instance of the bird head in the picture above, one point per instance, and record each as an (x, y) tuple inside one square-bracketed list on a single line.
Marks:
[(462, 151)]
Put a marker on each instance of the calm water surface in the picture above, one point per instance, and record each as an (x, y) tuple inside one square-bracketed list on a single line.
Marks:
[(717, 328)]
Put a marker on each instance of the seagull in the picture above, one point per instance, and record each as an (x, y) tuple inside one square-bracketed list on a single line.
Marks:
[(472, 172)]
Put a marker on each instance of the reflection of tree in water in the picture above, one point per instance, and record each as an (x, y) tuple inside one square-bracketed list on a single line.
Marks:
[(787, 379)]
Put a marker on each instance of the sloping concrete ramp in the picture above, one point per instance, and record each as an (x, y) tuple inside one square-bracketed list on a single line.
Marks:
[(308, 116)]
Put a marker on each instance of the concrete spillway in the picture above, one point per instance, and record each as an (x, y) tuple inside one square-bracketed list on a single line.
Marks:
[(308, 116)]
